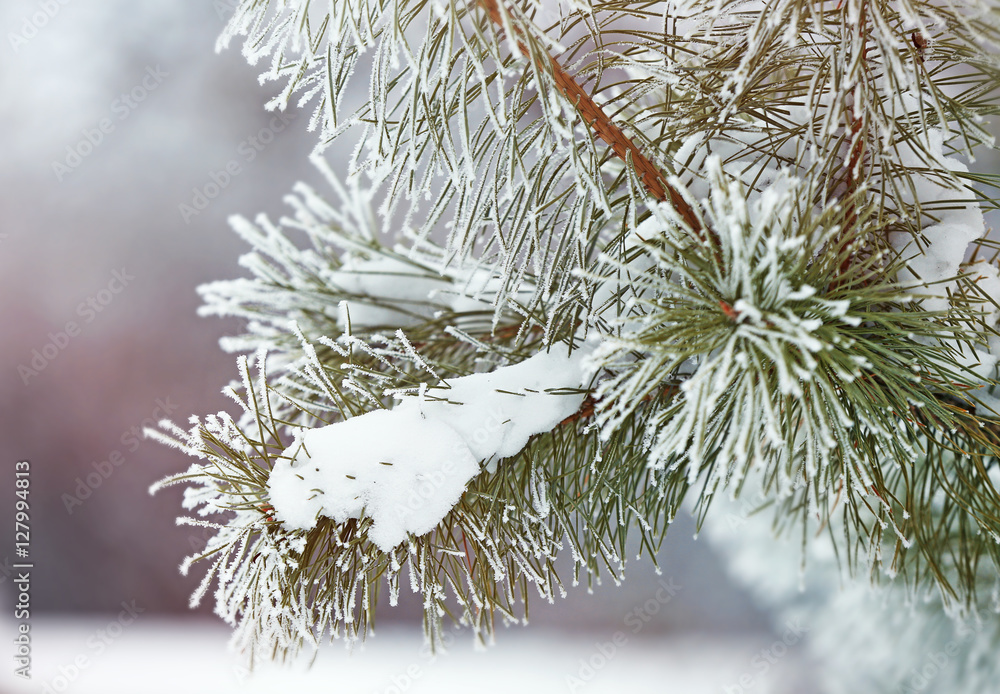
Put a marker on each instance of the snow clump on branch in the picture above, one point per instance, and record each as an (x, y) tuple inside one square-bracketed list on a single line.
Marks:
[(407, 467)]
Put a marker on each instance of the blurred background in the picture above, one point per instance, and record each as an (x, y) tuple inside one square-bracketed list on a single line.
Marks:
[(115, 114)]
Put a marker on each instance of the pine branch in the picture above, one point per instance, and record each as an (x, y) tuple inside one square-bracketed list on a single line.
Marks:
[(754, 314)]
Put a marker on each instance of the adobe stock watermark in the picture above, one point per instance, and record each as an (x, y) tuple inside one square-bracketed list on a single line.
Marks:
[(768, 657), (119, 110), (921, 676), (33, 23), (751, 503), (246, 151), (404, 680), (87, 310), (430, 483), (97, 643), (87, 484), (636, 620), (225, 8)]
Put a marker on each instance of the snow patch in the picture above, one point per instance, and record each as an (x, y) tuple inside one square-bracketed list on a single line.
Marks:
[(407, 467)]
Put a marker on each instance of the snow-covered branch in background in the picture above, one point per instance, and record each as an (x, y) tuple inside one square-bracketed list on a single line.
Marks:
[(862, 637)]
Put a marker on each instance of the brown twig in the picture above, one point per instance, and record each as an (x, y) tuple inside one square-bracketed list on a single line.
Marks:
[(857, 153), (589, 405), (607, 130), (586, 410), (624, 148)]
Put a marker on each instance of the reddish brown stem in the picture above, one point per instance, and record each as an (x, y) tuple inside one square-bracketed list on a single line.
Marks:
[(731, 313), (589, 405), (586, 410), (857, 153), (623, 147)]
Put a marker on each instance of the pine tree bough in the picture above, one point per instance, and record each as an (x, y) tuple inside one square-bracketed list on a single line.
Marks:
[(517, 332)]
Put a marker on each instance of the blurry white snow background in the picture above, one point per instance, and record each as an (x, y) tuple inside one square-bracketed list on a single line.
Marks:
[(161, 656)]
